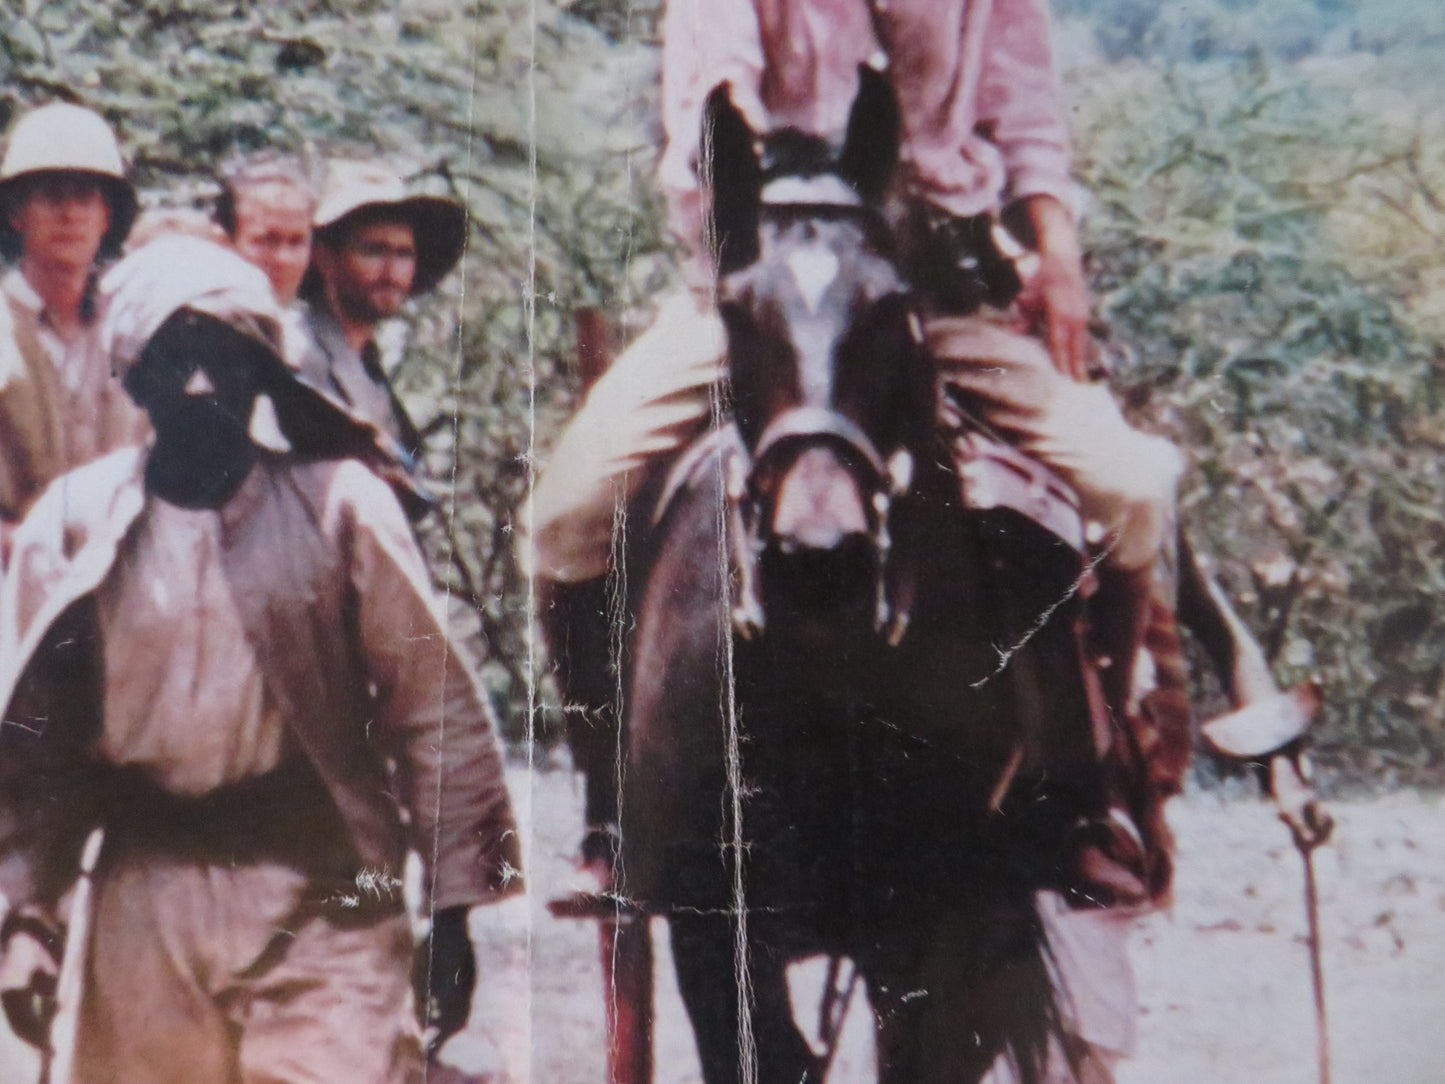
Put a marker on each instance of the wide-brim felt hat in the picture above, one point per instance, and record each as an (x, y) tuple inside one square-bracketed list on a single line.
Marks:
[(65, 138), (354, 189)]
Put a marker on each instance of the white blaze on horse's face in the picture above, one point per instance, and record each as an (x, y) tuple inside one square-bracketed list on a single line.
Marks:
[(814, 268)]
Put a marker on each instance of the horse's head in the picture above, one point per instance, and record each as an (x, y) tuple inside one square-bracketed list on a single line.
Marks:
[(832, 391)]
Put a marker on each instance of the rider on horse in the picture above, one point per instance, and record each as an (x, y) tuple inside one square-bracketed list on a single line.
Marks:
[(984, 142), (984, 139)]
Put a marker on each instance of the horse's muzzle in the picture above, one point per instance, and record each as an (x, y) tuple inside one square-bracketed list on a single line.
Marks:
[(819, 557), (818, 504)]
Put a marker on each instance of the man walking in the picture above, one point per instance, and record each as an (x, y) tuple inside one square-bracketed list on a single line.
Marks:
[(65, 205), (261, 705), (375, 247)]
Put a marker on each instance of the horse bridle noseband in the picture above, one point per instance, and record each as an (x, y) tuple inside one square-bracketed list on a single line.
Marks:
[(887, 479)]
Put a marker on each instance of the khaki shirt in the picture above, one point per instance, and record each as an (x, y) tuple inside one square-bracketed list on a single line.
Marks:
[(60, 405), (354, 379), (184, 693)]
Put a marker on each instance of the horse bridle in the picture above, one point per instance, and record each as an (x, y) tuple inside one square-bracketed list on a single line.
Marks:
[(886, 479)]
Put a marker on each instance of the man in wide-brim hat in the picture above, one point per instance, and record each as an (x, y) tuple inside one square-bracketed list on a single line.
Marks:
[(376, 245), (65, 205), (224, 649)]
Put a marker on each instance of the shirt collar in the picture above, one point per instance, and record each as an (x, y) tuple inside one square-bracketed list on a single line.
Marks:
[(329, 335), (17, 286)]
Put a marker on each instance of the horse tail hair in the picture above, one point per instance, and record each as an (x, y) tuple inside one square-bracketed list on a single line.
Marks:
[(1037, 1041)]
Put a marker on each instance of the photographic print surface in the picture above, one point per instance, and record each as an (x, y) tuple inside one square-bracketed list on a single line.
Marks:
[(710, 541)]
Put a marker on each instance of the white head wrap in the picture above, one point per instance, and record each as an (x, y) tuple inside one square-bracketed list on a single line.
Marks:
[(143, 291)]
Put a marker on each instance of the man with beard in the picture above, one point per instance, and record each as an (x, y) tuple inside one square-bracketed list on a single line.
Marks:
[(65, 205), (376, 246), (225, 651)]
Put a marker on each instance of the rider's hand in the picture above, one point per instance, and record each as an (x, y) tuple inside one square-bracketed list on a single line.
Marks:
[(451, 968), (1056, 295)]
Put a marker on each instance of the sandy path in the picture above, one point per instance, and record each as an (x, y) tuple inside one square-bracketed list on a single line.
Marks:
[(1224, 978)]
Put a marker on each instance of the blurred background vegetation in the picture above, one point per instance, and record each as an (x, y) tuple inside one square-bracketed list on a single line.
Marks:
[(1265, 213)]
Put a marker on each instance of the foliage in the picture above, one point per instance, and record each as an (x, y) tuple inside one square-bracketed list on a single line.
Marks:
[(1283, 29), (532, 116), (623, 20), (1249, 249)]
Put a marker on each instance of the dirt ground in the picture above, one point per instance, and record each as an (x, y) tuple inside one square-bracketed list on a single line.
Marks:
[(1224, 976)]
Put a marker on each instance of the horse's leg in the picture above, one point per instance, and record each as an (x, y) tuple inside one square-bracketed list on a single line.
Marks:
[(954, 992), (681, 738), (712, 981)]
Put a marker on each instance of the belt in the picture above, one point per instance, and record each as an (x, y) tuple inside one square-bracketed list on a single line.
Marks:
[(283, 815)]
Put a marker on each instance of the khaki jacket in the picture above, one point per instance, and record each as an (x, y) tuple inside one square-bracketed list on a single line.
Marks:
[(349, 635), (51, 423)]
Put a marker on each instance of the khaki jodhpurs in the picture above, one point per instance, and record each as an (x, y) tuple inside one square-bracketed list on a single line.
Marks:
[(239, 975), (656, 398)]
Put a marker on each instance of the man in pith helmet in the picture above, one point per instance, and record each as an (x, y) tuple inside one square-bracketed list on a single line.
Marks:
[(65, 206), (375, 246), (224, 649)]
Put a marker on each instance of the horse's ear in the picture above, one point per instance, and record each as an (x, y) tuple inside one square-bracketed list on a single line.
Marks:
[(875, 132), (728, 163)]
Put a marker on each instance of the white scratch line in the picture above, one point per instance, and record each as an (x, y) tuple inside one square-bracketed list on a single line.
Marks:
[(747, 1044), (1005, 655)]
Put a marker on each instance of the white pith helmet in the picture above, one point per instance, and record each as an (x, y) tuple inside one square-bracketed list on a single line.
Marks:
[(65, 138)]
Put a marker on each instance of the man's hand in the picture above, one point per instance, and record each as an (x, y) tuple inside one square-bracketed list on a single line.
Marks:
[(1057, 296), (451, 969), (29, 974)]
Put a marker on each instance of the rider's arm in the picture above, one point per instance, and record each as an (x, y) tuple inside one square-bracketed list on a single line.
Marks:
[(1020, 101), (1057, 291), (1020, 106)]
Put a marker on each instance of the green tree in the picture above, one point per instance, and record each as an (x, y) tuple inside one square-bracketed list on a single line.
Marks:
[(1283, 356), (533, 116)]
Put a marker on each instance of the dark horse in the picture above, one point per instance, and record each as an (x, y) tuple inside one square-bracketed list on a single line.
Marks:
[(856, 718)]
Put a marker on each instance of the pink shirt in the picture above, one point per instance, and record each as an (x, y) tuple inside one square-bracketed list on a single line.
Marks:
[(982, 113)]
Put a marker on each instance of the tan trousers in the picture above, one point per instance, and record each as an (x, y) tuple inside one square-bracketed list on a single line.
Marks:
[(656, 398), (227, 975)]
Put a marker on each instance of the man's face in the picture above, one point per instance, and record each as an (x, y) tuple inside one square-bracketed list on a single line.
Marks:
[(369, 275), (61, 218), (273, 231)]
